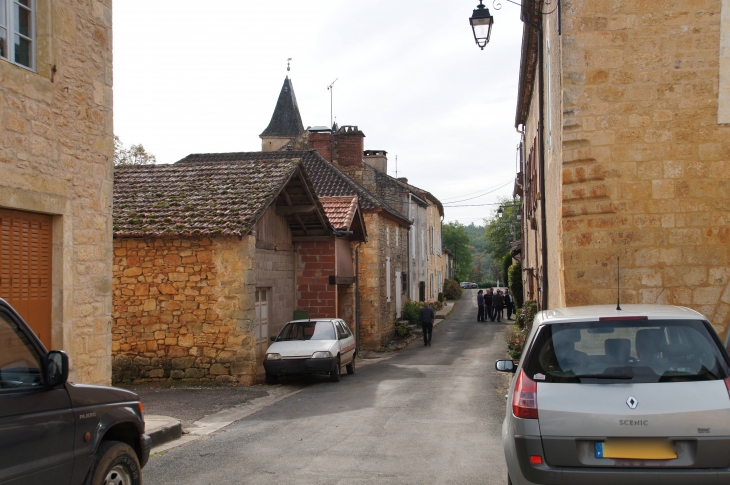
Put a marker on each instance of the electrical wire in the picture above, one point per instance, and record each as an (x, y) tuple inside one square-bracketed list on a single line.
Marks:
[(476, 197), (446, 201)]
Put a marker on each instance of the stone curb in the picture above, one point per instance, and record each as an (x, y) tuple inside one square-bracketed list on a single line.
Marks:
[(162, 429)]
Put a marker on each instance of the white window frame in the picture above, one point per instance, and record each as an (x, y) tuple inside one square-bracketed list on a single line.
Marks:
[(10, 30), (387, 278)]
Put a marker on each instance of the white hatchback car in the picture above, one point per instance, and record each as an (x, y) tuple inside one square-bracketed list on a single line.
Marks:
[(600, 396), (320, 346)]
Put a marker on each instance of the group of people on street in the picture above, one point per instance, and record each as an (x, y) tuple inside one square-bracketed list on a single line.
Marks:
[(491, 305)]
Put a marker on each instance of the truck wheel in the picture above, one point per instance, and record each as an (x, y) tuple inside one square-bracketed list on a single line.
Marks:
[(271, 378), (336, 372), (116, 464), (351, 366)]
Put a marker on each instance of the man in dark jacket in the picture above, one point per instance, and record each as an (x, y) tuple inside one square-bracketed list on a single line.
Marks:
[(498, 301), (488, 308), (480, 306), (427, 316), (509, 303)]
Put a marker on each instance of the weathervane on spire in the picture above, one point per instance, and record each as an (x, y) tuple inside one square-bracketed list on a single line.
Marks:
[(288, 67)]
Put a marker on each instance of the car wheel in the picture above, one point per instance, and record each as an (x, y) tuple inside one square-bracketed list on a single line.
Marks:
[(271, 378), (336, 372), (351, 366), (116, 464)]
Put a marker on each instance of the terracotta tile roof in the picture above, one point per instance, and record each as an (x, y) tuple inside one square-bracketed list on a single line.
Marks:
[(203, 199), (328, 180), (340, 210)]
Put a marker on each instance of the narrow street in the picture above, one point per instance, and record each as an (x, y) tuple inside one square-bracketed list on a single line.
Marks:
[(429, 415)]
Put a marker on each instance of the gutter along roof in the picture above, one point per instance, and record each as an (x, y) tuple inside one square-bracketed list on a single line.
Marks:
[(531, 9)]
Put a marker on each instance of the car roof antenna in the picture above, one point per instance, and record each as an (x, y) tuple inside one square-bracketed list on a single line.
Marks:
[(618, 280)]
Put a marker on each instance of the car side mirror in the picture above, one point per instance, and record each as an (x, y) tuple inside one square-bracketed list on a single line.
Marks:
[(57, 369), (273, 339), (505, 366)]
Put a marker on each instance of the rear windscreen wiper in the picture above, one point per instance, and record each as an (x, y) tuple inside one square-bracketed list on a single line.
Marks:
[(605, 376)]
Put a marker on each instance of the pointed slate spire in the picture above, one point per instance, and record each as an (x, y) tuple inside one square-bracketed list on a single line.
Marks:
[(286, 121)]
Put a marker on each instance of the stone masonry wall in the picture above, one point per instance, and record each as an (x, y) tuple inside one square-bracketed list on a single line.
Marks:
[(56, 157), (646, 167), (183, 308), (377, 314)]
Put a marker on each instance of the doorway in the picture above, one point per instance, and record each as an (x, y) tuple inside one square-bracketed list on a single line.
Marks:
[(422, 291), (398, 293), (262, 323)]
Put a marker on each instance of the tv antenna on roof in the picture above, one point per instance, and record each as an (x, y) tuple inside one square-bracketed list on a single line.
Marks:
[(288, 66), (396, 166), (331, 89)]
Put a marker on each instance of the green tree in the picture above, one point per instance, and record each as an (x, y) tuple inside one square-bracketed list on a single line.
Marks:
[(515, 284), (506, 263), (456, 239), (501, 231), (134, 155)]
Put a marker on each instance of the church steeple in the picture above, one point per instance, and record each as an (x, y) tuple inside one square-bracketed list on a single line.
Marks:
[(286, 123)]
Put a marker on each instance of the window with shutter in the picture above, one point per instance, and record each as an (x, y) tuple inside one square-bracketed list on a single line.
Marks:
[(25, 268)]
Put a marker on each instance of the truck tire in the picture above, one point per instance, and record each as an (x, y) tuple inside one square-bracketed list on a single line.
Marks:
[(116, 463)]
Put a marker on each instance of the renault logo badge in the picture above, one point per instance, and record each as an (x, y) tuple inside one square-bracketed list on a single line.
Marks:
[(632, 402)]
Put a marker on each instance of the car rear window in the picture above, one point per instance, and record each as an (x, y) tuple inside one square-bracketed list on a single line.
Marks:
[(627, 351), (307, 331)]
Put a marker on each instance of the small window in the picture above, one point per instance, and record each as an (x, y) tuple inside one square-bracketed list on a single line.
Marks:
[(17, 32), (20, 364)]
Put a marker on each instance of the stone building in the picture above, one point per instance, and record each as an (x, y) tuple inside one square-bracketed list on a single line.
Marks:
[(426, 262), (624, 109), (381, 259), (205, 264), (56, 172)]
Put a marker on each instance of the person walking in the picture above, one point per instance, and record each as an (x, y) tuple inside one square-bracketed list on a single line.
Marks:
[(498, 302), (480, 306), (427, 316), (488, 304), (509, 303)]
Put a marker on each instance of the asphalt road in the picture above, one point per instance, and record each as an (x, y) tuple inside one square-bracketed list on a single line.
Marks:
[(429, 415)]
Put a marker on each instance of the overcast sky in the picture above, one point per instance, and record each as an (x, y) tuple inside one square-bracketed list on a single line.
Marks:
[(193, 77)]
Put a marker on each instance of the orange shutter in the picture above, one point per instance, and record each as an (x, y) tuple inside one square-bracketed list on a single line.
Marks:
[(25, 268)]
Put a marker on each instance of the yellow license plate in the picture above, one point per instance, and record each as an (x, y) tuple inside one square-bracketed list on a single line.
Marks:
[(638, 449)]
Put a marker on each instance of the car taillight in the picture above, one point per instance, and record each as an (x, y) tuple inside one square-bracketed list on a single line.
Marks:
[(727, 385), (524, 399)]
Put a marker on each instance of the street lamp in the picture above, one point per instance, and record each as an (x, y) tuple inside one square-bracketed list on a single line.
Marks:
[(500, 212), (481, 23)]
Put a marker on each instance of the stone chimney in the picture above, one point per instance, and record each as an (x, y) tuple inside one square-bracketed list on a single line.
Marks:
[(402, 179), (322, 140), (349, 143), (378, 159)]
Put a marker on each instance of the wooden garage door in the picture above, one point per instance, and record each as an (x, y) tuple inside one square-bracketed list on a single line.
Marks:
[(25, 268)]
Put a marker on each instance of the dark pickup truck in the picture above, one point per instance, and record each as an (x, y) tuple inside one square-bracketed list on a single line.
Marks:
[(54, 431)]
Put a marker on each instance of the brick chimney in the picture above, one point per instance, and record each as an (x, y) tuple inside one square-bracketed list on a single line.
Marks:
[(350, 142), (322, 141), (378, 159)]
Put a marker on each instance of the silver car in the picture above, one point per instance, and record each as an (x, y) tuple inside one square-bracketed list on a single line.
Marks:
[(600, 396)]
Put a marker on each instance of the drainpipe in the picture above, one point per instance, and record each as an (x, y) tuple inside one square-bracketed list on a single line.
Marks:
[(357, 296), (408, 252), (543, 215)]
